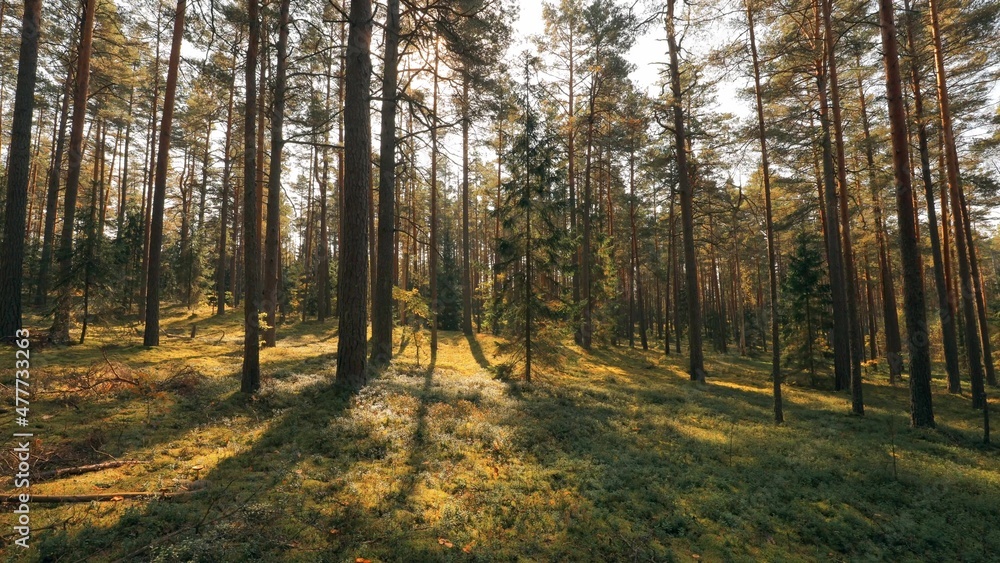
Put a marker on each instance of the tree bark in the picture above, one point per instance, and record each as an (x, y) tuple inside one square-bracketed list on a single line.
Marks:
[(353, 271), (696, 367), (382, 303), (250, 373), (272, 242), (12, 253), (972, 341), (772, 252), (220, 266), (918, 343), (151, 336), (59, 333)]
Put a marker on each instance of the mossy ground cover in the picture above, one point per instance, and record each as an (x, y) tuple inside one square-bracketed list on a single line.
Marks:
[(608, 456)]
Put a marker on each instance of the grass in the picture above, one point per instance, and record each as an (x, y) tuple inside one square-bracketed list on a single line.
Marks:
[(609, 456)]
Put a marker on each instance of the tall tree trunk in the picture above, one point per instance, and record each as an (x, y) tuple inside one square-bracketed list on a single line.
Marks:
[(977, 279), (972, 342), (772, 251), (147, 195), (466, 258), (946, 308), (272, 243), (250, 373), (433, 249), (151, 335), (352, 285), (850, 273), (696, 367), (918, 344), (382, 303), (838, 282), (52, 196), (220, 266), (12, 253), (59, 333), (635, 271)]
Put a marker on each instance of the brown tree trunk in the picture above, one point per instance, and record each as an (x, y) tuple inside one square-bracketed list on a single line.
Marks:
[(382, 300), (352, 282), (250, 373), (12, 253), (772, 251), (272, 242), (220, 266), (946, 308), (696, 367), (972, 342), (433, 249), (921, 411), (151, 335), (59, 333)]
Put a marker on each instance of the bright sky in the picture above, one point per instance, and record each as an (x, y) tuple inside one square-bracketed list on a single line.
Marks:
[(647, 54)]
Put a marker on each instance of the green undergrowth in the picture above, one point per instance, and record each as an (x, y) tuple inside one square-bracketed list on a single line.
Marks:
[(608, 456)]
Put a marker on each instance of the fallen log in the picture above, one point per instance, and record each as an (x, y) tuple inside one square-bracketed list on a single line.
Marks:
[(12, 498), (86, 468)]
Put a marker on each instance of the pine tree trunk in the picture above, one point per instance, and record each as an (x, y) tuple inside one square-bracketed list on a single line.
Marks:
[(272, 243), (151, 335), (52, 197), (949, 336), (850, 276), (918, 343), (220, 266), (59, 333), (382, 300), (12, 253), (972, 341), (466, 259), (250, 373), (696, 367), (433, 249), (353, 268)]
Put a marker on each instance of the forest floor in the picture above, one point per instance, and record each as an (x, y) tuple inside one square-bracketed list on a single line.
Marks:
[(608, 456)]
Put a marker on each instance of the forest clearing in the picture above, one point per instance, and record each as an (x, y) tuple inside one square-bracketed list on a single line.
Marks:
[(499, 280), (614, 456)]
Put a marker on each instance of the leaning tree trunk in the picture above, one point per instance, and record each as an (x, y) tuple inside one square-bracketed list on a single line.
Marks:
[(382, 303), (151, 336), (12, 253), (272, 242), (918, 344), (352, 282), (59, 333), (696, 367)]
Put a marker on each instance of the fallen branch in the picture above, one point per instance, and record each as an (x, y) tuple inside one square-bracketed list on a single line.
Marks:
[(86, 468), (12, 498)]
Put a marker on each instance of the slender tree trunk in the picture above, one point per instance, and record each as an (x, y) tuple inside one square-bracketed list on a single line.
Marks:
[(151, 336), (250, 373), (697, 360), (850, 275), (59, 333), (635, 271), (946, 307), (52, 197), (921, 411), (977, 279), (12, 253), (972, 342), (433, 249), (147, 196), (220, 267), (772, 251), (353, 271), (272, 242), (382, 303)]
